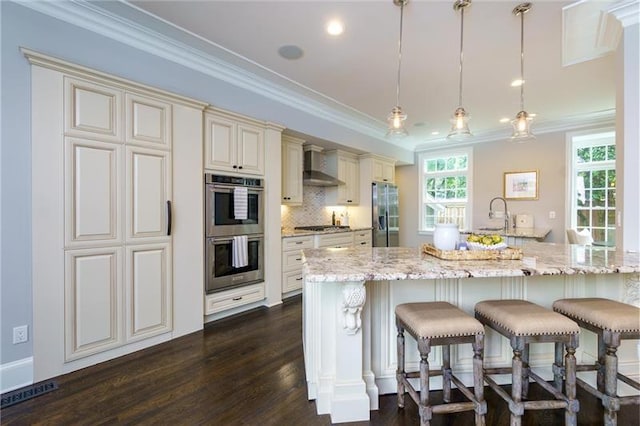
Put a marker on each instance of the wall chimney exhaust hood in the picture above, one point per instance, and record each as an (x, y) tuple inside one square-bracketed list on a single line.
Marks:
[(313, 174)]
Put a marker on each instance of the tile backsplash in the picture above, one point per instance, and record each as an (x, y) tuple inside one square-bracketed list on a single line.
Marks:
[(313, 210)]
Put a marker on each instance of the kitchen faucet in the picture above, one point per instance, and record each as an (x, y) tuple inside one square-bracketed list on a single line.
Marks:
[(506, 212)]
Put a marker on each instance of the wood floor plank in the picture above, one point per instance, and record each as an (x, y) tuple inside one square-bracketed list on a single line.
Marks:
[(244, 370)]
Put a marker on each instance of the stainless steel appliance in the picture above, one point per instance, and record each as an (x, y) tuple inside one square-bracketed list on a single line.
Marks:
[(221, 275), (385, 215), (220, 218), (221, 226)]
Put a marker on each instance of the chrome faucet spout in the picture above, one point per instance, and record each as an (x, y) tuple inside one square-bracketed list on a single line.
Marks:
[(506, 211)]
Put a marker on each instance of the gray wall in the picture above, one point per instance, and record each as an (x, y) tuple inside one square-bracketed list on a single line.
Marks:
[(547, 154), (21, 26)]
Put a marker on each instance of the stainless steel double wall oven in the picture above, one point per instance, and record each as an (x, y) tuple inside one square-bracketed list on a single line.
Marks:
[(221, 226)]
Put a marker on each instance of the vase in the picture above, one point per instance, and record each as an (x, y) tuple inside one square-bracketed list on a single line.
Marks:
[(446, 236)]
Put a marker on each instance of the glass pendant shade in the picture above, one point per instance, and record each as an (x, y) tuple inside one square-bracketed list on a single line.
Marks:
[(459, 125), (397, 117), (396, 123), (522, 123), (522, 127), (460, 120)]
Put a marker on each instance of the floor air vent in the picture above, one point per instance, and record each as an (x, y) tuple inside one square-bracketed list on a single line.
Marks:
[(27, 392)]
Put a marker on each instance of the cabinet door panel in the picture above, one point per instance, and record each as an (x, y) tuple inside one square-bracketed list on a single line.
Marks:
[(93, 291), (219, 143), (148, 190), (92, 109), (250, 149), (148, 121), (92, 197), (292, 173), (149, 290)]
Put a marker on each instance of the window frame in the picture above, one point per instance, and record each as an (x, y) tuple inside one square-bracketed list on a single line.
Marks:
[(422, 157), (576, 140)]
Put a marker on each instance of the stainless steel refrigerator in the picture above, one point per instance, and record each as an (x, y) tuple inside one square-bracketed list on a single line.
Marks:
[(385, 215)]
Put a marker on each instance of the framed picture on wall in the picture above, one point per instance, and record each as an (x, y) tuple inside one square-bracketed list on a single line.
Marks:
[(521, 185)]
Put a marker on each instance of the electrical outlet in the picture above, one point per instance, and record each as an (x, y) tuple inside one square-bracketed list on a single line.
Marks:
[(552, 215), (20, 334)]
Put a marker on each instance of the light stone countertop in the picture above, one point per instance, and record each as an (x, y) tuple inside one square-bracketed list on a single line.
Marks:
[(288, 232), (399, 263)]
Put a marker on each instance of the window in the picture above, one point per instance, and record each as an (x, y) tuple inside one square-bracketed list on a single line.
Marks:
[(593, 186), (445, 194)]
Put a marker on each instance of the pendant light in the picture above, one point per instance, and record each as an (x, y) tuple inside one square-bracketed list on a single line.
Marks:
[(522, 123), (460, 121), (397, 117)]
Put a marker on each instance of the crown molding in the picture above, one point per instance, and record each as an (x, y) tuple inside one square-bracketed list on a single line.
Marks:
[(626, 11), (592, 119), (101, 21)]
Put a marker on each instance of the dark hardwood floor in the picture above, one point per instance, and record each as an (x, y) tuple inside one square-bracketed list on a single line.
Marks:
[(245, 370)]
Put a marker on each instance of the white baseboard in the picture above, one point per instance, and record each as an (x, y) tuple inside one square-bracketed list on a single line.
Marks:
[(16, 374)]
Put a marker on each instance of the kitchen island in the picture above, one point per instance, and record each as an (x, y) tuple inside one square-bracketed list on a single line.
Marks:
[(350, 294)]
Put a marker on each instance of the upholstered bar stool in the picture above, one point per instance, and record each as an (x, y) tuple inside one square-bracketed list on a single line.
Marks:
[(523, 323), (612, 321), (440, 324)]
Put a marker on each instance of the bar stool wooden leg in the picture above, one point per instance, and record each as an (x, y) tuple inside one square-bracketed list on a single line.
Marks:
[(425, 409), (525, 372), (400, 369), (517, 409), (611, 402), (570, 417), (446, 373), (602, 351), (478, 382), (558, 366)]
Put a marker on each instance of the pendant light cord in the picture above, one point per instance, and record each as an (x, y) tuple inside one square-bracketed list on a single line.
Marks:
[(461, 55), (402, 3), (522, 61)]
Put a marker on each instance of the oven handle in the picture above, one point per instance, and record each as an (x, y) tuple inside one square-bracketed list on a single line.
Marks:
[(250, 188), (229, 239), (169, 217)]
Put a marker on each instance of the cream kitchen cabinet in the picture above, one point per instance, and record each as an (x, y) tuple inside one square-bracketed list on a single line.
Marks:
[(104, 263), (344, 166), (337, 240), (233, 298), (362, 238), (383, 170), (233, 143), (292, 158), (292, 261)]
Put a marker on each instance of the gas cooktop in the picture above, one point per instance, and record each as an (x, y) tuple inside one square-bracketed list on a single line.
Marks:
[(320, 228)]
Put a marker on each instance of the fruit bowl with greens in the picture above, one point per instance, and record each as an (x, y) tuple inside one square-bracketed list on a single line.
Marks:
[(486, 242)]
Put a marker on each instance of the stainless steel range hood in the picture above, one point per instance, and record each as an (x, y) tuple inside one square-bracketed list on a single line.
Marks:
[(312, 174)]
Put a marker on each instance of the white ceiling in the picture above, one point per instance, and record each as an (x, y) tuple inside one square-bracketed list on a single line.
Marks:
[(358, 69)]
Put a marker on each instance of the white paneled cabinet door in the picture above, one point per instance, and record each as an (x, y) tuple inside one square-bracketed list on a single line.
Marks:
[(148, 290), (250, 149), (92, 109), (292, 157), (92, 196), (148, 121), (93, 301), (219, 143), (148, 190)]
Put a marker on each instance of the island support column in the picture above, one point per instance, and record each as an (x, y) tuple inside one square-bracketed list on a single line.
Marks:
[(334, 340)]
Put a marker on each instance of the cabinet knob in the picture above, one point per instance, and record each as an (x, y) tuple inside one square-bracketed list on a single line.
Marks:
[(239, 167), (235, 167)]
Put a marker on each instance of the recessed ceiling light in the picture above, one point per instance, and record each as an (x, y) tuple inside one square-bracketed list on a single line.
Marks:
[(435, 133), (290, 52), (517, 83), (335, 27), (504, 120), (533, 114)]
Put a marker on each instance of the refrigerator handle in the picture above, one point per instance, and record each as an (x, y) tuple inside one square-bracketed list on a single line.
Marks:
[(382, 222)]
